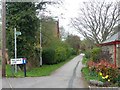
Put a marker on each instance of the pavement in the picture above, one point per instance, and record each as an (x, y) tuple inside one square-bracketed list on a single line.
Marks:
[(68, 76)]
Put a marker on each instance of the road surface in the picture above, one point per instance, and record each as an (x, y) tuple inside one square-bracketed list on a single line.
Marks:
[(68, 76)]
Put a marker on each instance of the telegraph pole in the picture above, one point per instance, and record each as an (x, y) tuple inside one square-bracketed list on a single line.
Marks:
[(40, 44), (15, 49), (40, 18), (3, 38)]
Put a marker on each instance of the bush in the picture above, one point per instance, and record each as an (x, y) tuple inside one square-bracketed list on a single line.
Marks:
[(95, 53), (88, 54), (53, 55), (117, 80), (106, 71), (60, 54), (68, 52), (48, 56)]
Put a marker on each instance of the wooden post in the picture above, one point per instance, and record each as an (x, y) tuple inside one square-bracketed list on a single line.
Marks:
[(115, 54), (24, 70), (3, 38)]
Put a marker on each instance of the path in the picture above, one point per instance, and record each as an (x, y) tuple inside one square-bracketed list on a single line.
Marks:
[(68, 76)]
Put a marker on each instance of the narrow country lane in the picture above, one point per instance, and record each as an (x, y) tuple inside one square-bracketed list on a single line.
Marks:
[(68, 76)]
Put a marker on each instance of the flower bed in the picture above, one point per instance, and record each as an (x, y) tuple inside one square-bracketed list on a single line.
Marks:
[(106, 72)]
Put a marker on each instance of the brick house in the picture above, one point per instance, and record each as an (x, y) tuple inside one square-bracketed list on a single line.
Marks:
[(56, 30), (55, 26), (113, 46)]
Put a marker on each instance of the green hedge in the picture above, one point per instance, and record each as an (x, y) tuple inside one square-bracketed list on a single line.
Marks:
[(88, 53), (93, 54), (48, 55), (60, 54), (53, 55)]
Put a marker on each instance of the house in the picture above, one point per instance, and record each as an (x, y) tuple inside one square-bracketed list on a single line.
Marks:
[(113, 46), (56, 30)]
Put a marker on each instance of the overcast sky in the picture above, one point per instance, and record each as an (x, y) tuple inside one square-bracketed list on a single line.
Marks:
[(65, 12), (69, 10)]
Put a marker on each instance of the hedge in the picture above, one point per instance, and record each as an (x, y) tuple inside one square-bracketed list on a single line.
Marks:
[(55, 55)]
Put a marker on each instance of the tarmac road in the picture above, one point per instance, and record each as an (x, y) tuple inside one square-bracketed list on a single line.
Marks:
[(68, 76)]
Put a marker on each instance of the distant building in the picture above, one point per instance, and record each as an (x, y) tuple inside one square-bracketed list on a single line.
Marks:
[(56, 31), (55, 25), (113, 46)]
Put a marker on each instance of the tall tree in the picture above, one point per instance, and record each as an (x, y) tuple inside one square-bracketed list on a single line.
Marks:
[(63, 33), (22, 16), (97, 19), (86, 44), (74, 42), (49, 31)]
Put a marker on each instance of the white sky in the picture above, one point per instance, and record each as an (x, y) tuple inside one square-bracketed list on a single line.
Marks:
[(68, 11), (65, 13)]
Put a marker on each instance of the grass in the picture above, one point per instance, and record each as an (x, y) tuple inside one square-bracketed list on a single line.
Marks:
[(84, 60), (45, 70), (89, 75)]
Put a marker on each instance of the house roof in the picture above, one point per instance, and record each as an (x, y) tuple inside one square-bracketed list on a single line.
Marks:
[(113, 39)]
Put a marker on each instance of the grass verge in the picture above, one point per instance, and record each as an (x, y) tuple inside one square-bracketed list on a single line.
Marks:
[(89, 75), (45, 70), (84, 60)]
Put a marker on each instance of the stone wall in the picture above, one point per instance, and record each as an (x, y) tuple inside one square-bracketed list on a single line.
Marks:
[(109, 48)]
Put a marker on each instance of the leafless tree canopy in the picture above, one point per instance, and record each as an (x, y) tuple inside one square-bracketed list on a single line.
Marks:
[(97, 20)]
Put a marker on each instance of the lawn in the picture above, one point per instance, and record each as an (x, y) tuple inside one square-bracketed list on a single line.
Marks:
[(45, 70)]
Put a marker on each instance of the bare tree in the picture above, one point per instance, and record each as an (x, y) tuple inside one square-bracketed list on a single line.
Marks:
[(63, 33), (96, 20)]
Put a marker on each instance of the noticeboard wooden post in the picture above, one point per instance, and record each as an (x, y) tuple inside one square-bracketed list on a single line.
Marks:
[(19, 61)]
